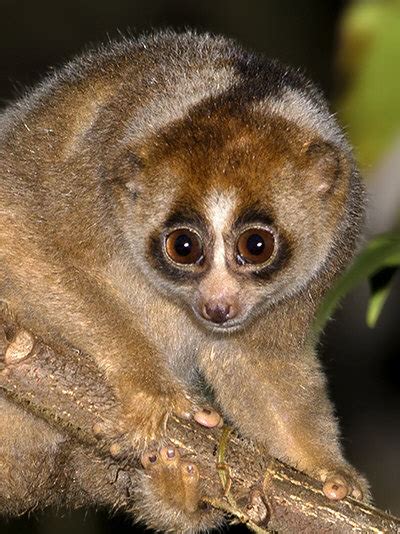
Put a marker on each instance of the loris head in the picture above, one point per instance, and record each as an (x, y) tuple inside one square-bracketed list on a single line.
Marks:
[(241, 202)]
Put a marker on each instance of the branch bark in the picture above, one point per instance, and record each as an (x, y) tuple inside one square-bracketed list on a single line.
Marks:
[(69, 392)]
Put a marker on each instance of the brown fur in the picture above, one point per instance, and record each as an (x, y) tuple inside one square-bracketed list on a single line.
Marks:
[(92, 166)]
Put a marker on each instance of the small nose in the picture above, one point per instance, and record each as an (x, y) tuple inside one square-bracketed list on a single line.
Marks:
[(218, 313)]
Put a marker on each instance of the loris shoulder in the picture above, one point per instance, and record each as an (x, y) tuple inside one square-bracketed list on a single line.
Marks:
[(176, 208)]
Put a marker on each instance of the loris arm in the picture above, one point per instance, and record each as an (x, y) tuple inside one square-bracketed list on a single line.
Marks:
[(68, 308), (281, 402), (46, 380)]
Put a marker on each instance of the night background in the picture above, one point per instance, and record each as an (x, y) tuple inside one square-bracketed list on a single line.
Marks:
[(332, 42)]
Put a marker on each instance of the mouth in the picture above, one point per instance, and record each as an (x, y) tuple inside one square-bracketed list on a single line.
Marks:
[(226, 327)]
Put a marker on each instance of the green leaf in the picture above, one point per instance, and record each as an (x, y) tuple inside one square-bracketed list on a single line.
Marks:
[(381, 284), (381, 252)]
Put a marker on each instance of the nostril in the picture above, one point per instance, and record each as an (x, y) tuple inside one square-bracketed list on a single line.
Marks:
[(218, 313)]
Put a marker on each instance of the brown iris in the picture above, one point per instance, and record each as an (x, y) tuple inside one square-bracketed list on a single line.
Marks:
[(184, 246), (255, 245)]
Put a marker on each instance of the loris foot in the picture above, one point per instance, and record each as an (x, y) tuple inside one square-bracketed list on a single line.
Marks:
[(176, 481), (343, 483), (168, 491), (168, 494)]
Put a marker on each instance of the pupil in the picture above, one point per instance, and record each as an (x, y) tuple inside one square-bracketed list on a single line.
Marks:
[(183, 245), (255, 244)]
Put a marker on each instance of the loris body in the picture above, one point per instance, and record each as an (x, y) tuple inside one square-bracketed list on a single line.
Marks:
[(176, 208)]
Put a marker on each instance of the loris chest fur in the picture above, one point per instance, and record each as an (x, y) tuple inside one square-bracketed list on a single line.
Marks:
[(180, 207)]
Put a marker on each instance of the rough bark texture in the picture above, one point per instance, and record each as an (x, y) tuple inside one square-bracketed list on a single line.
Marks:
[(70, 393)]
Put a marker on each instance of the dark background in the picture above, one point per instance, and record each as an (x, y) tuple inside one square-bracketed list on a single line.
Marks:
[(363, 365)]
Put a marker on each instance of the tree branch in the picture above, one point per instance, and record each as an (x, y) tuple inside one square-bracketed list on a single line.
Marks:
[(69, 392)]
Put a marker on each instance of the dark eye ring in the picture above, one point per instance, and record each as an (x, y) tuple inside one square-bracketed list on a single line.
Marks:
[(184, 246), (255, 246)]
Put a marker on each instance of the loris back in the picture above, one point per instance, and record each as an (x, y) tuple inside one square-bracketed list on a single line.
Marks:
[(176, 208)]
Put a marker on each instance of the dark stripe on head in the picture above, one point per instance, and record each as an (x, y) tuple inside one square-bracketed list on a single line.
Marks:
[(262, 77)]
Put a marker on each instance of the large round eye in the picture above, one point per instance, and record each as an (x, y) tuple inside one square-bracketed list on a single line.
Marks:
[(184, 246), (255, 245)]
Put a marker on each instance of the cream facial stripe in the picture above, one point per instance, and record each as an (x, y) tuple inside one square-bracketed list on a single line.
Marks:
[(220, 207)]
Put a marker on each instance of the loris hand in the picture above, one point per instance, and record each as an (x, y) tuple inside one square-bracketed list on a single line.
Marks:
[(143, 421)]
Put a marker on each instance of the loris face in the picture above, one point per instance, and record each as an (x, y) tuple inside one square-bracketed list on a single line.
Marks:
[(223, 259), (239, 212)]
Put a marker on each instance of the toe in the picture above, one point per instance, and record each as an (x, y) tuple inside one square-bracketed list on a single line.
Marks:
[(357, 493), (149, 459), (208, 418), (336, 488), (169, 455), (116, 450), (190, 490), (190, 473)]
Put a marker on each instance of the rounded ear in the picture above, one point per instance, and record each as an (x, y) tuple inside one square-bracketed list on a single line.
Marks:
[(327, 164)]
